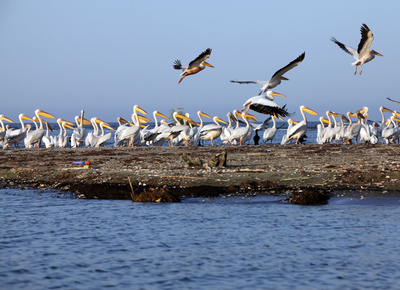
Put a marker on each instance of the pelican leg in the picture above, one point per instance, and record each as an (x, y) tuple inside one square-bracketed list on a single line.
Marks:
[(355, 72), (360, 69), (181, 79)]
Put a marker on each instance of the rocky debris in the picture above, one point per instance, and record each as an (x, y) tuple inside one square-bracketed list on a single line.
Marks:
[(309, 196), (219, 160), (155, 195)]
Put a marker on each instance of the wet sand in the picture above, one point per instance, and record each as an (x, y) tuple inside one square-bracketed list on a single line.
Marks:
[(270, 169)]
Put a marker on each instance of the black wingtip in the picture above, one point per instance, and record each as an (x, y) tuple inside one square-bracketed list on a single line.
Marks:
[(177, 64)]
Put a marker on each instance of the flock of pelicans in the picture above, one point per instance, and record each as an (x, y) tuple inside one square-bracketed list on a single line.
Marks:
[(186, 131)]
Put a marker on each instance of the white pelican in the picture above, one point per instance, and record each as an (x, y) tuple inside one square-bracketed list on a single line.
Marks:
[(187, 135), (196, 136), (365, 134), (353, 129), (79, 134), (321, 129), (212, 131), (300, 129), (174, 131), (196, 65), (123, 124), (151, 134), (277, 77), (330, 131), (227, 130), (391, 131), (3, 129), (265, 104), (132, 132), (35, 137), (16, 136), (93, 139), (269, 133), (377, 130), (363, 54), (48, 140), (285, 138), (242, 134), (61, 140)]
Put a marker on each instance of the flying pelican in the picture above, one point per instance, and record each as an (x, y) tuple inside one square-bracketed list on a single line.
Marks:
[(35, 137), (79, 134), (196, 65), (277, 77), (363, 54), (16, 136), (300, 129), (242, 134), (3, 129), (269, 133), (212, 131), (265, 104)]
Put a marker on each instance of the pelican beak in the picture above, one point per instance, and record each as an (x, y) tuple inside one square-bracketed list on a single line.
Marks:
[(86, 122), (45, 114), (386, 109), (27, 118), (137, 108), (68, 126), (4, 118), (220, 120), (308, 110), (251, 117), (397, 114), (280, 118), (283, 78), (344, 118), (161, 115), (275, 94), (106, 125), (193, 122), (143, 119), (205, 115), (325, 120), (376, 53), (207, 64), (67, 122), (141, 126)]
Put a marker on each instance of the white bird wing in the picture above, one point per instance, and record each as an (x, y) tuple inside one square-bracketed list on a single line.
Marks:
[(366, 39), (279, 73), (347, 48)]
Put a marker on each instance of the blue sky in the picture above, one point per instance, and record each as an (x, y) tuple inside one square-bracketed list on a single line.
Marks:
[(106, 56)]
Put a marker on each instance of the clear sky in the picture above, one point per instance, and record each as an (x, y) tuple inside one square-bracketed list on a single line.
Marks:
[(106, 56)]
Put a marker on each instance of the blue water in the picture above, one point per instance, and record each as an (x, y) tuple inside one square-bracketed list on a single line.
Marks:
[(49, 241)]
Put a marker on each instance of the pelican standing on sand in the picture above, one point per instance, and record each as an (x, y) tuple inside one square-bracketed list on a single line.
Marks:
[(212, 131), (277, 77), (3, 129), (269, 133), (79, 134), (242, 134), (196, 65), (16, 136), (35, 137), (300, 129), (363, 54)]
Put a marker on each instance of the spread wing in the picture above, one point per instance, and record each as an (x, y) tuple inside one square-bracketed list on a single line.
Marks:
[(202, 57), (366, 39), (292, 64), (346, 48)]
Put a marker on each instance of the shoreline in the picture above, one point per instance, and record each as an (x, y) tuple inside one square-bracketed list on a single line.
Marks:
[(267, 169)]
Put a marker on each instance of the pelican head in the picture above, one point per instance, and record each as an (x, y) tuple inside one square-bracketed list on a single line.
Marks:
[(4, 118), (137, 108), (40, 112), (308, 110), (272, 94), (218, 119)]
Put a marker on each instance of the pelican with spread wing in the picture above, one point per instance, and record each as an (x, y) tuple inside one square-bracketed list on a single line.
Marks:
[(196, 65), (277, 77), (363, 54)]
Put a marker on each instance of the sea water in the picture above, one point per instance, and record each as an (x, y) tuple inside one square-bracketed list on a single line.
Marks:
[(51, 240)]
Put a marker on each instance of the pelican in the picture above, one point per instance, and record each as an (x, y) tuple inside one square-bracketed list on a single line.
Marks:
[(289, 130), (391, 131), (227, 130), (187, 135), (242, 134), (132, 132), (16, 136), (365, 134), (174, 131), (3, 129), (353, 129), (92, 138), (79, 134), (123, 124), (196, 136), (300, 129), (62, 140), (321, 129), (196, 65), (48, 140), (330, 132), (269, 134), (277, 77), (265, 104), (212, 131), (363, 54), (35, 137), (151, 134)]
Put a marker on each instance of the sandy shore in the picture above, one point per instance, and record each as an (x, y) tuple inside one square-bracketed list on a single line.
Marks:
[(250, 169)]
